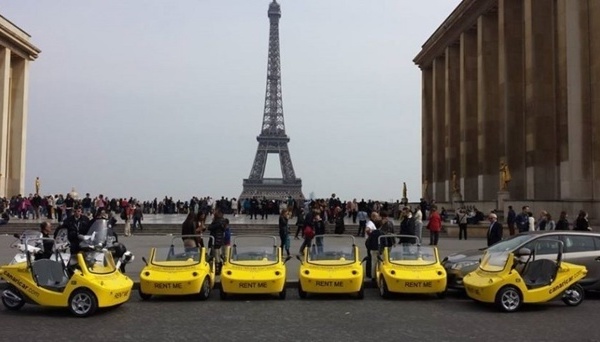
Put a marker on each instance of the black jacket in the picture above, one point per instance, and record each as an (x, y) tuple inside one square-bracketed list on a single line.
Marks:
[(494, 233), (217, 231), (75, 227)]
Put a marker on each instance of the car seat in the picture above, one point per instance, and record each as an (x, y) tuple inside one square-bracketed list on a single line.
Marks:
[(50, 274), (539, 273)]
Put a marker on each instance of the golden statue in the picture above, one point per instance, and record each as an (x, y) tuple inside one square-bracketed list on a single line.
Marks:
[(455, 186), (37, 185), (425, 188), (404, 191), (505, 177)]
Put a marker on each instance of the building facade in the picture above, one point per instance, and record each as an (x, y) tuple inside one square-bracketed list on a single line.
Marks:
[(514, 81), (16, 51)]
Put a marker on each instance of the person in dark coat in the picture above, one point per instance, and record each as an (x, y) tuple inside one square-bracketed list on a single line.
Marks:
[(494, 233), (407, 226)]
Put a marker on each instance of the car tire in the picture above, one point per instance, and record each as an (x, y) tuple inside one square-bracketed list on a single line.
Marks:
[(441, 295), (83, 302), (361, 293), (301, 293), (384, 292), (204, 289), (10, 303), (222, 294), (509, 299), (144, 296), (281, 295), (574, 295)]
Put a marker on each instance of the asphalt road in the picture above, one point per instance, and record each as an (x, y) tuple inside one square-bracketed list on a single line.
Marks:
[(318, 318), (404, 318)]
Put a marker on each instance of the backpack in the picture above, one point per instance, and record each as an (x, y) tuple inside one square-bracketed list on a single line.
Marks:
[(123, 215), (309, 232)]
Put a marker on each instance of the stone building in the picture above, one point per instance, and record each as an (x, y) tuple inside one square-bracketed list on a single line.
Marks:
[(515, 81), (16, 51)]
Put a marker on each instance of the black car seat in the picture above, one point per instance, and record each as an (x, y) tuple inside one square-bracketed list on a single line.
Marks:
[(539, 273)]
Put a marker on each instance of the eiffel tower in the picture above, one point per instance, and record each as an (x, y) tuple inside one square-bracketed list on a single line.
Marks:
[(272, 138)]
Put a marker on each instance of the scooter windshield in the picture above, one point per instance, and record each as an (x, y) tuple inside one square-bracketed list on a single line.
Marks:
[(332, 250), (98, 231), (412, 255), (494, 261), (99, 262)]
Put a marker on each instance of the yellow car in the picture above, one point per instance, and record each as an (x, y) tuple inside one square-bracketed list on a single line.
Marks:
[(94, 282), (408, 268), (253, 265), (331, 265), (178, 271), (505, 279)]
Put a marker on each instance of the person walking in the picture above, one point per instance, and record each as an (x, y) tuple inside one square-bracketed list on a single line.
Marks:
[(462, 224), (299, 224), (510, 220), (434, 226), (563, 222), (581, 223), (494, 233), (284, 231), (418, 215)]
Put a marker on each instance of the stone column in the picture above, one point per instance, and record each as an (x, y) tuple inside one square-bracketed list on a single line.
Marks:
[(592, 24), (438, 121), (4, 114), (540, 108), (488, 118), (468, 115), (427, 127), (17, 127), (510, 91), (452, 117), (574, 119)]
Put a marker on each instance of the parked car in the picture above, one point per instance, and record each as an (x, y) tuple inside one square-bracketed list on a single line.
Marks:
[(505, 279), (581, 248)]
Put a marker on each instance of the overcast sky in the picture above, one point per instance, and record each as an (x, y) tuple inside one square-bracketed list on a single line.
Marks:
[(154, 98)]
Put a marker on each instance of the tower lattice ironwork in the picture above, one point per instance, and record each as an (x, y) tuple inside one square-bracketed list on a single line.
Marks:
[(272, 138)]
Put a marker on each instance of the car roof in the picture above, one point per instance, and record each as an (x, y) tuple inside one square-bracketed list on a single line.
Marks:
[(561, 232)]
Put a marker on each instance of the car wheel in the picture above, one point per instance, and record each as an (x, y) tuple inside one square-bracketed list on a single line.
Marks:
[(384, 292), (441, 295), (361, 293), (143, 295), (83, 302), (204, 289), (301, 293), (509, 299), (222, 294), (281, 295), (12, 298), (574, 295)]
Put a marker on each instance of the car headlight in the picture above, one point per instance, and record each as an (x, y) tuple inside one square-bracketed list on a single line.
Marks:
[(463, 264)]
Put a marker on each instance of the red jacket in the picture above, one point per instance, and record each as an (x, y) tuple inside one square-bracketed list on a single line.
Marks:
[(435, 222)]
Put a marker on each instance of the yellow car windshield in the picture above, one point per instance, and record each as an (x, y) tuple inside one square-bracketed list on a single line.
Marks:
[(494, 261), (412, 255), (254, 255), (99, 262), (176, 256)]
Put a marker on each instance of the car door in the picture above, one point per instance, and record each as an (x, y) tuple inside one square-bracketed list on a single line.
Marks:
[(545, 246), (584, 250)]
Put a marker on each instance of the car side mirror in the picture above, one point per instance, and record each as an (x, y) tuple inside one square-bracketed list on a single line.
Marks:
[(524, 252), (364, 259), (287, 258), (17, 235), (145, 261)]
